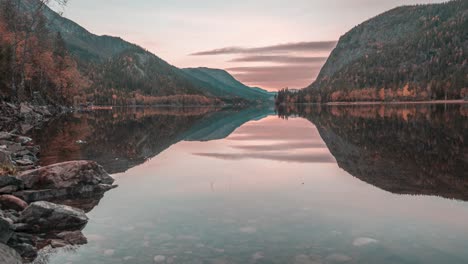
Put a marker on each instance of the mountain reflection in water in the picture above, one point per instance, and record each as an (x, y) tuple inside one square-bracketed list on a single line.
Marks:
[(124, 138), (405, 149)]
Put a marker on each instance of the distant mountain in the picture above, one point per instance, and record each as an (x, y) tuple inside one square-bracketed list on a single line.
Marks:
[(408, 53), (222, 84), (124, 73)]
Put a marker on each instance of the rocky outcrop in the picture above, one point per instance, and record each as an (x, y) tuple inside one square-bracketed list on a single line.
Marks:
[(21, 118), (65, 175), (73, 237), (17, 151), (64, 183), (24, 230), (44, 216)]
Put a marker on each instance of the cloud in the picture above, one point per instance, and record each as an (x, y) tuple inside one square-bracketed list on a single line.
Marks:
[(293, 76), (294, 65), (314, 46), (283, 146), (280, 59)]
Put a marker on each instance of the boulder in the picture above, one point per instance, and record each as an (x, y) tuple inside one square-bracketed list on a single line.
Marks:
[(10, 184), (44, 216), (9, 255), (73, 237), (66, 175), (58, 243), (6, 230), (10, 202)]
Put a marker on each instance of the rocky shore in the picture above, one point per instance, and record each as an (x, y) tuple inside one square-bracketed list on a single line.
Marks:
[(41, 207)]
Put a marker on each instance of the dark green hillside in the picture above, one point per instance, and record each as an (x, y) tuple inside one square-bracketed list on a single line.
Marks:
[(408, 53)]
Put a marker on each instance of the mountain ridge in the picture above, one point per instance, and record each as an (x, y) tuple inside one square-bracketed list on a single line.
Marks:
[(227, 84), (123, 73), (409, 53)]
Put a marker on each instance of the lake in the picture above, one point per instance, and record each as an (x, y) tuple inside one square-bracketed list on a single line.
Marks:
[(318, 184)]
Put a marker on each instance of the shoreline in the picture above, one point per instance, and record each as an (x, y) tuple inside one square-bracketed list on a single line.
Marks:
[(41, 208), (400, 102), (363, 103)]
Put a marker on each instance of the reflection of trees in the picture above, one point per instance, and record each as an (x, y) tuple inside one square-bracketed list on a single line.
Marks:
[(407, 149), (124, 138)]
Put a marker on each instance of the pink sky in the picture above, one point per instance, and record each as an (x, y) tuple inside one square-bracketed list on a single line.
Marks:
[(268, 43)]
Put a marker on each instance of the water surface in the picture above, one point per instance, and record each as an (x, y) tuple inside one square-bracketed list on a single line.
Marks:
[(373, 184)]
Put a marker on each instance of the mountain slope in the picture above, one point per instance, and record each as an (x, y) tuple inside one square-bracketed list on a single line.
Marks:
[(124, 73), (221, 83), (408, 53)]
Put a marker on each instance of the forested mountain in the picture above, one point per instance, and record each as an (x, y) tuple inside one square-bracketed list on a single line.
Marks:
[(222, 84), (408, 53), (66, 64), (33, 59)]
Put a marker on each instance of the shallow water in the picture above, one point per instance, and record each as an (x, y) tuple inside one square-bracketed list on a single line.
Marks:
[(367, 184)]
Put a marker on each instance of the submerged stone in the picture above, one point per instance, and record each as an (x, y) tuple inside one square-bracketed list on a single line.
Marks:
[(364, 241), (159, 259)]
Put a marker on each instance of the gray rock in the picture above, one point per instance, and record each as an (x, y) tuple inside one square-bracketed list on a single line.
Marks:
[(23, 140), (8, 189), (66, 175), (58, 243), (5, 136), (45, 216), (9, 255), (10, 202), (15, 147), (10, 184), (25, 108), (26, 251), (73, 237), (24, 162), (22, 238), (5, 158), (6, 230), (66, 195)]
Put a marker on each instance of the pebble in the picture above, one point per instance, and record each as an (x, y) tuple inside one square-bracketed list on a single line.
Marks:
[(109, 252), (338, 258)]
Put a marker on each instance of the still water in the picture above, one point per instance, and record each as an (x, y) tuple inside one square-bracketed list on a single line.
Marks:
[(368, 184)]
